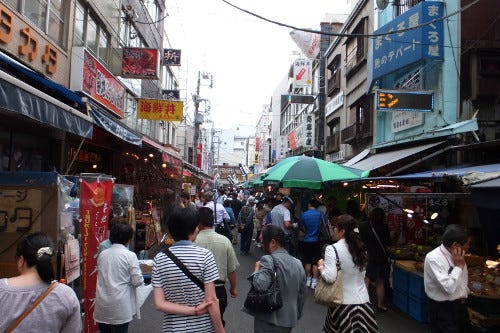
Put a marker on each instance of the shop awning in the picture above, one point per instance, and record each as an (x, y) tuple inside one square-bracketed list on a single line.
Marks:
[(39, 81), (167, 157), (19, 97), (458, 171), (114, 127), (380, 159)]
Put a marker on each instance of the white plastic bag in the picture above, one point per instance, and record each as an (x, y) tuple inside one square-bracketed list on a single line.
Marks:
[(141, 293)]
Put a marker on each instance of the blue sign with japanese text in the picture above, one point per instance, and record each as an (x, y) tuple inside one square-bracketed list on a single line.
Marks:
[(397, 50)]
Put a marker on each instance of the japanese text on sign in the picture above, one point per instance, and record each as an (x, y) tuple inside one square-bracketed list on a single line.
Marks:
[(29, 43), (394, 51), (19, 209), (156, 109)]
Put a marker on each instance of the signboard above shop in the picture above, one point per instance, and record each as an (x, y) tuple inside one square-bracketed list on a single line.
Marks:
[(404, 100), (424, 40), (140, 63)]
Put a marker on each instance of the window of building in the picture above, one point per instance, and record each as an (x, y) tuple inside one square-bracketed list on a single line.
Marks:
[(48, 16), (402, 6), (79, 25), (356, 48), (91, 33), (153, 10)]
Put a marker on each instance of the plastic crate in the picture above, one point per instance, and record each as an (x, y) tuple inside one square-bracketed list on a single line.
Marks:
[(400, 300), (400, 279), (417, 308), (416, 286)]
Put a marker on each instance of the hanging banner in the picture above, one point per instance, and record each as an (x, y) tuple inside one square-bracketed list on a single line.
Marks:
[(158, 109), (302, 73), (140, 63), (308, 42), (95, 200)]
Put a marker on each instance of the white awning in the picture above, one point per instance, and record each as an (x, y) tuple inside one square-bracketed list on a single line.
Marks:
[(380, 159)]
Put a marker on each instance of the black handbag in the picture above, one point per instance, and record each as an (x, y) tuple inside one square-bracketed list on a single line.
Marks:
[(268, 300)]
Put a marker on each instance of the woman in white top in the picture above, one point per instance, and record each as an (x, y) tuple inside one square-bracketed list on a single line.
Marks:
[(355, 314)]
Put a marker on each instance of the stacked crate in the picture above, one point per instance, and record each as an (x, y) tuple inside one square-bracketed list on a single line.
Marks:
[(417, 302)]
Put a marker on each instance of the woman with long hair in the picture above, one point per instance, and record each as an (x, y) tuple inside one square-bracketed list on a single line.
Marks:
[(355, 314), (59, 311)]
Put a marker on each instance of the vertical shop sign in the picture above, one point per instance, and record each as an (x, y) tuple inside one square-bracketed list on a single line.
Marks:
[(302, 73), (308, 131), (95, 200)]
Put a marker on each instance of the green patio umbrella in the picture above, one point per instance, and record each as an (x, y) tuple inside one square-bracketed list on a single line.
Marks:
[(309, 172)]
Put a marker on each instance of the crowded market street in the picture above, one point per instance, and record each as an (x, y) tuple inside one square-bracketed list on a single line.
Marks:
[(312, 321)]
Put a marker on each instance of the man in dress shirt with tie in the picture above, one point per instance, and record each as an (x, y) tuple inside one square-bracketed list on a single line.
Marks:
[(445, 280)]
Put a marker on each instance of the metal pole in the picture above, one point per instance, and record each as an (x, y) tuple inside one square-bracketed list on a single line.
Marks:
[(196, 122)]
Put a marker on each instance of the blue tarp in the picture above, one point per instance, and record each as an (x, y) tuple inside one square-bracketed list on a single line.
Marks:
[(452, 171)]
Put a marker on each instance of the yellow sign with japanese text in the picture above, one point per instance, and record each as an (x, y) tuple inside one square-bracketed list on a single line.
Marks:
[(158, 109)]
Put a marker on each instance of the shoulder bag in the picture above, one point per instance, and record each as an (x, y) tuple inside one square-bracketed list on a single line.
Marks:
[(330, 294), (325, 233), (184, 269), (31, 307), (381, 245), (268, 300)]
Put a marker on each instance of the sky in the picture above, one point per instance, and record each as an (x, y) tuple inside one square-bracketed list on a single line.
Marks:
[(246, 56)]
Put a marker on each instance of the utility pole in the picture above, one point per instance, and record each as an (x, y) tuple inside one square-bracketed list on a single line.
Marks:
[(197, 121)]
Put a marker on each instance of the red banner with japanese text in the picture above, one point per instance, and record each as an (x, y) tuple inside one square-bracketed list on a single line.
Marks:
[(95, 200)]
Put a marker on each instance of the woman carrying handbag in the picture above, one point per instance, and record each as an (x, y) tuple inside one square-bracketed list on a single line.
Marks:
[(355, 314), (27, 299)]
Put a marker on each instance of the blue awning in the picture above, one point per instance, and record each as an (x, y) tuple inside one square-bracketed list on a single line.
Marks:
[(114, 127), (18, 97), (40, 82), (453, 171)]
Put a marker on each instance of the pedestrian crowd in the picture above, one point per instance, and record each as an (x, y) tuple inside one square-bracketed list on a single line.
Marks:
[(191, 273)]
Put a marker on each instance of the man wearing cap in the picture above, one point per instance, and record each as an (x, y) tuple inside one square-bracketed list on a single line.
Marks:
[(245, 225), (280, 216)]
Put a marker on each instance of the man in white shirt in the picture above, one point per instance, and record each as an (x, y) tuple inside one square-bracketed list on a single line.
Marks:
[(445, 281), (280, 216), (221, 224)]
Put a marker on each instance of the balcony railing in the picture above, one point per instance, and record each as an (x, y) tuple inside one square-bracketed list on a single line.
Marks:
[(334, 83), (348, 134), (358, 130), (332, 143)]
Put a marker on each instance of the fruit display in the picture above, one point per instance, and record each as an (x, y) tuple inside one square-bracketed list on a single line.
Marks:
[(409, 252)]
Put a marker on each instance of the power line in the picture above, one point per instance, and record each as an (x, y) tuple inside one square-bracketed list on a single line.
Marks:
[(352, 35)]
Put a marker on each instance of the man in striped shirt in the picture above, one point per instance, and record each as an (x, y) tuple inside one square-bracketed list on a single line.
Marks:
[(186, 305)]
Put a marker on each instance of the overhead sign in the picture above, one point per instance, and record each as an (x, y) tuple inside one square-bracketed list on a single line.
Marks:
[(171, 57), (395, 51), (400, 100), (302, 73), (296, 99), (92, 78), (157, 109), (140, 63)]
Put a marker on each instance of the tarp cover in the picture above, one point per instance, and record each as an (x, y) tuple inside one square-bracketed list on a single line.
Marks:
[(17, 100)]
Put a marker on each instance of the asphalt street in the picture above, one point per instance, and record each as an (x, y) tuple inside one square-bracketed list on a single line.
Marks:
[(312, 321)]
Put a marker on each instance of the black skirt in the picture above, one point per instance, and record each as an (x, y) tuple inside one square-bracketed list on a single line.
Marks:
[(350, 318)]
